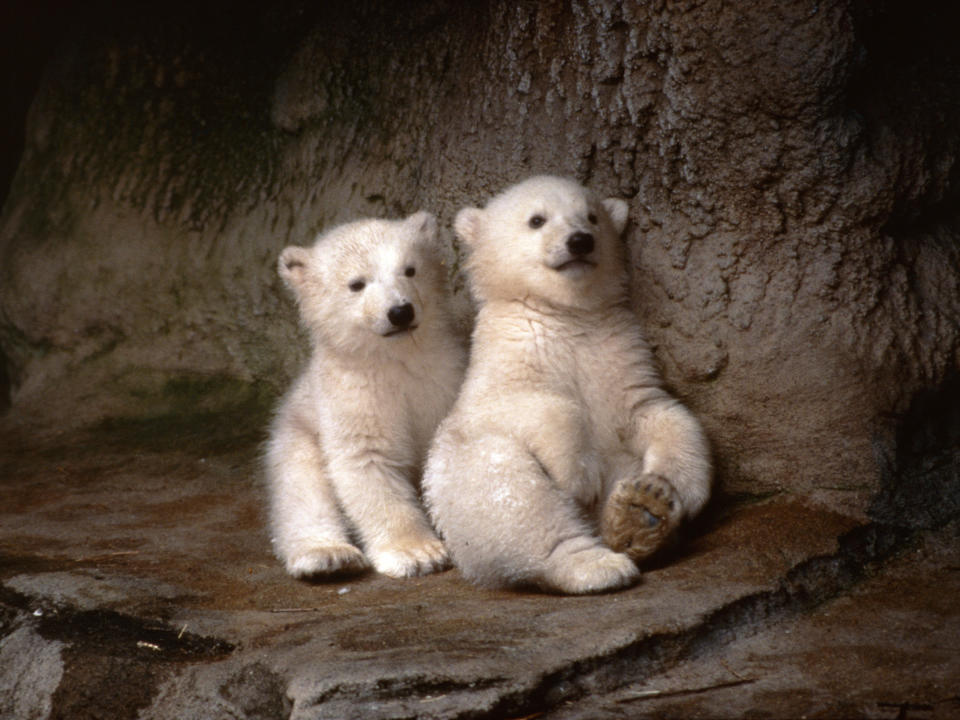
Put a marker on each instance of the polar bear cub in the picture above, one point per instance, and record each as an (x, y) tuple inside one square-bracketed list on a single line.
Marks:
[(563, 460), (351, 435)]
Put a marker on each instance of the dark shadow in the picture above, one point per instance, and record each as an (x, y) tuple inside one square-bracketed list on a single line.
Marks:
[(6, 389), (920, 472), (30, 30)]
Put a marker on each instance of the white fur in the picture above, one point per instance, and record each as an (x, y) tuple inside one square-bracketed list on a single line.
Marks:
[(560, 404), (350, 436)]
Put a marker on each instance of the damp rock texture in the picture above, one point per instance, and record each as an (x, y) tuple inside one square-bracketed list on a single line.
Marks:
[(136, 581), (791, 170), (792, 175)]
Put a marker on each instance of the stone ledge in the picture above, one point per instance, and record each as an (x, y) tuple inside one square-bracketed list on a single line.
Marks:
[(141, 582)]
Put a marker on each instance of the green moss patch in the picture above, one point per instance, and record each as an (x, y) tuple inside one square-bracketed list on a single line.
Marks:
[(207, 415)]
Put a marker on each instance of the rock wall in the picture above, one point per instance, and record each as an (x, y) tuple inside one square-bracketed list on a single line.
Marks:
[(791, 170)]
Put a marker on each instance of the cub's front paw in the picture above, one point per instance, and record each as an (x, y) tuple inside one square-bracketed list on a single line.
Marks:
[(640, 515), (325, 558), (407, 559)]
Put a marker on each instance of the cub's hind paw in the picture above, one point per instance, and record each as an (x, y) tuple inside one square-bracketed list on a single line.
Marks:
[(592, 570), (640, 516), (314, 559)]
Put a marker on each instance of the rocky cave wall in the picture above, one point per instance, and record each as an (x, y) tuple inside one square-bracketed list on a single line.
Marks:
[(791, 170)]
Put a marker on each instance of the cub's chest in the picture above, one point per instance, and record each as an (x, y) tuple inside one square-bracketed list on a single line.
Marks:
[(589, 367), (400, 393), (567, 354)]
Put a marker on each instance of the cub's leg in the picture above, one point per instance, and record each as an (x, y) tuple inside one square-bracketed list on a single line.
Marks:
[(383, 506), (640, 514), (666, 481), (308, 532), (507, 523)]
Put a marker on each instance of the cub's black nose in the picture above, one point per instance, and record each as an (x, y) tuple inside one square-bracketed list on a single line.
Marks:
[(400, 315), (580, 243)]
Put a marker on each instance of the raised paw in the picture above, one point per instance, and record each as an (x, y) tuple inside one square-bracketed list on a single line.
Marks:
[(408, 559), (640, 515), (325, 558)]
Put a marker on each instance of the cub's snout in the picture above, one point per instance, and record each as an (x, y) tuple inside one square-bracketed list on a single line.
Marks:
[(580, 244), (401, 316)]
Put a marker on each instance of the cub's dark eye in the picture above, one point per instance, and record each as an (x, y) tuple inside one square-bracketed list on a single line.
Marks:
[(592, 217), (536, 221), (357, 285), (410, 271)]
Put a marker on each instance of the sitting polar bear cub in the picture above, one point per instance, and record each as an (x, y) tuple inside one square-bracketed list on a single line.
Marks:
[(563, 460), (351, 434)]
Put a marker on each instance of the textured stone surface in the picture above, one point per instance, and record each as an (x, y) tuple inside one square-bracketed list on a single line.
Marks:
[(32, 671), (792, 175), (791, 170), (888, 649), (136, 582)]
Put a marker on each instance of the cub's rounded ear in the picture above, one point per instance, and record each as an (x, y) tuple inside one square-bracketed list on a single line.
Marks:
[(618, 210), (424, 224), (468, 223), (292, 266)]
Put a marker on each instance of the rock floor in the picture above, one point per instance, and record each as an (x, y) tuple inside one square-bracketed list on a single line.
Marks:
[(136, 581)]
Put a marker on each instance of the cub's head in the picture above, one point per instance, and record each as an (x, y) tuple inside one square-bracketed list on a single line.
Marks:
[(369, 281), (546, 238)]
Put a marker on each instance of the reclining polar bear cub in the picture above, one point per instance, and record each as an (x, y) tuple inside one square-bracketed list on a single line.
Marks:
[(351, 434), (563, 460)]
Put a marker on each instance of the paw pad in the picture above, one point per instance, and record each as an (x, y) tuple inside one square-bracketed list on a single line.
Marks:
[(640, 516), (652, 520)]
